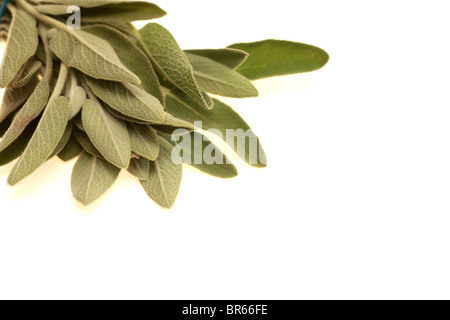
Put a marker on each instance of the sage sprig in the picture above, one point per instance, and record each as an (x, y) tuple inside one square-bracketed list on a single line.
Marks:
[(120, 99)]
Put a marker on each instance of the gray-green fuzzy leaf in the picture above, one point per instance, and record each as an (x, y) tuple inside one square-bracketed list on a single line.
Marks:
[(128, 99), (91, 178), (140, 168), (27, 73), (21, 45), (271, 58), (123, 12), (86, 143), (64, 140), (144, 141), (77, 97), (232, 58), (164, 178), (14, 98), (72, 149), (171, 61), (131, 56), (221, 118), (91, 55), (45, 139), (30, 111), (108, 134), (218, 79)]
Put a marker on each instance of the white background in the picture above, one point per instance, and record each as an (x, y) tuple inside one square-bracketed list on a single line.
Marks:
[(354, 204)]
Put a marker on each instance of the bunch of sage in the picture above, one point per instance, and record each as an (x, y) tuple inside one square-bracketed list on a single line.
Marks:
[(111, 95)]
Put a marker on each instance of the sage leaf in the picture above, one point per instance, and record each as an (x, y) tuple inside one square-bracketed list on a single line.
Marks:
[(90, 55), (18, 146), (232, 58), (123, 12), (26, 74), (52, 9), (72, 149), (63, 142), (218, 79), (164, 180), (140, 168), (171, 61), (21, 45), (220, 169), (128, 99), (144, 141), (271, 58), (131, 56), (45, 139), (30, 111), (86, 143), (172, 123), (14, 98), (108, 134), (91, 178), (221, 118), (77, 97)]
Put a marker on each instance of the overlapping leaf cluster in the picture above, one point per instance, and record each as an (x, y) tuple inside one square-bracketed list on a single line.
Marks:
[(110, 95)]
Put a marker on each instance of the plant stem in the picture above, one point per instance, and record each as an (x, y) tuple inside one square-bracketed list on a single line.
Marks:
[(63, 71), (41, 17)]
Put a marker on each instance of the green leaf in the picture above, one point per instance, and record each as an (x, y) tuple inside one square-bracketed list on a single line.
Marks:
[(52, 9), (139, 168), (21, 45), (128, 99), (131, 56), (76, 97), (71, 150), (218, 79), (45, 139), (172, 123), (17, 147), (86, 143), (30, 111), (14, 98), (221, 118), (220, 169), (144, 141), (123, 12), (90, 55), (232, 58), (108, 134), (91, 178), (171, 61), (27, 73), (88, 3), (271, 58), (64, 140), (164, 178)]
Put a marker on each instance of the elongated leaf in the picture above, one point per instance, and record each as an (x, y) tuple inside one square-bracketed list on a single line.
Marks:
[(218, 79), (271, 58), (14, 98), (139, 168), (91, 55), (63, 141), (108, 134), (131, 56), (88, 3), (71, 150), (172, 123), (77, 97), (86, 143), (21, 46), (221, 118), (164, 178), (27, 73), (52, 9), (30, 111), (48, 133), (144, 141), (171, 61), (232, 58), (203, 155), (17, 147), (91, 178), (123, 12), (5, 124), (128, 99)]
